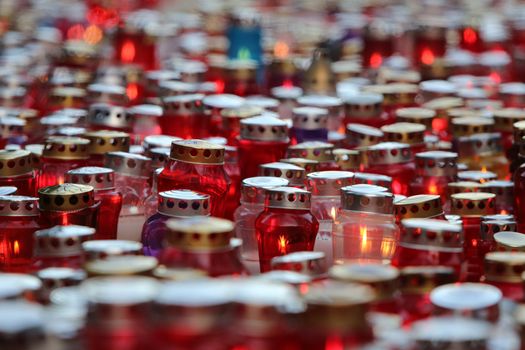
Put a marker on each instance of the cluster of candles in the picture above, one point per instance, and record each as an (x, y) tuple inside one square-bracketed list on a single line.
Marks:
[(212, 176)]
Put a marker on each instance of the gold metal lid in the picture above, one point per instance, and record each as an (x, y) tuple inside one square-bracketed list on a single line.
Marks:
[(293, 173), (129, 164), (178, 274), (66, 197), (67, 96), (359, 135), (442, 104), (106, 115), (310, 118), (312, 264), (154, 141), (183, 203), (18, 206), (187, 104), (437, 163), (409, 133), (61, 241), (505, 266), (418, 206), (103, 248), (480, 145), (472, 204), (383, 279), (66, 148), (423, 279), (348, 160), (463, 186), (308, 165), (387, 153), (104, 141), (416, 115), (319, 77), (16, 162), (490, 227), (123, 265), (328, 183), (253, 189), (287, 198), (373, 179), (364, 105), (199, 233), (97, 177), (315, 150), (465, 126), (11, 126), (510, 241), (395, 93), (427, 234), (506, 118), (367, 198), (197, 152), (264, 128), (477, 176)]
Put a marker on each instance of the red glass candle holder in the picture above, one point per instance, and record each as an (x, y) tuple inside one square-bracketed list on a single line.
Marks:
[(308, 165), (185, 117), (103, 182), (103, 116), (430, 43), (19, 223), (231, 121), (378, 43), (501, 271), (60, 155), (212, 252), (241, 77), (295, 175), (286, 225), (257, 133), (197, 165), (214, 105), (392, 159), (18, 170), (231, 166), (321, 152), (434, 171), (60, 246), (366, 109), (103, 141)]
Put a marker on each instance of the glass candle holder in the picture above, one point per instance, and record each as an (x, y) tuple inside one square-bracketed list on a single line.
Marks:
[(68, 204), (360, 135), (184, 117), (441, 105), (364, 229), (325, 187), (502, 270), (60, 155), (19, 223), (417, 115), (18, 170), (409, 133), (252, 204), (366, 109), (103, 182), (315, 150), (378, 43), (483, 152), (309, 124), (132, 176), (434, 171), (231, 166), (286, 225), (261, 132), (231, 120), (504, 121), (241, 77), (199, 166), (103, 141), (105, 248), (214, 105), (103, 116), (311, 264), (287, 96), (348, 159), (471, 207), (504, 191), (430, 42), (56, 277), (295, 175), (175, 203), (422, 206), (333, 104), (60, 246), (146, 120), (392, 159), (214, 251)]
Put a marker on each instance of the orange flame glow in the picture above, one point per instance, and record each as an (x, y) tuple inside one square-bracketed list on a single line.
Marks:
[(281, 50), (376, 60), (282, 242), (92, 35), (470, 36), (127, 53), (427, 57), (16, 248), (132, 91), (365, 243), (333, 213)]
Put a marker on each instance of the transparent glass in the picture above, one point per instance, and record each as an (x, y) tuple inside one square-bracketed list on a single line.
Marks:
[(52, 171), (244, 218), (16, 242), (431, 185), (234, 191), (251, 155), (401, 173), (189, 126), (134, 190), (25, 183), (364, 237), (473, 247), (325, 208), (153, 234)]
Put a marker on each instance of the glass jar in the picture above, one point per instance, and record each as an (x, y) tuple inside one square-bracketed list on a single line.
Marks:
[(430, 41), (104, 248), (132, 176), (378, 42), (214, 105), (333, 104), (184, 117), (503, 270), (103, 182), (286, 225), (295, 175), (257, 133), (199, 166), (104, 141), (504, 120), (151, 202), (119, 312), (471, 207), (252, 204), (231, 120), (204, 243), (348, 159), (365, 109), (311, 264), (145, 120), (241, 77), (408, 133), (53, 278), (231, 166), (309, 124), (434, 171), (103, 116), (325, 187), (416, 283), (504, 191), (392, 159), (18, 169), (19, 223), (175, 203), (60, 155), (364, 230), (315, 150), (68, 204), (360, 135), (441, 105), (60, 246), (422, 206), (483, 152)]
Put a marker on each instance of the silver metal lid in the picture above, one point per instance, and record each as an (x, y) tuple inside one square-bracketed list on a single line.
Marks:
[(479, 145), (477, 176), (18, 206), (426, 234), (128, 164), (61, 241), (436, 163), (328, 183), (373, 179), (308, 263), (367, 198), (183, 203), (253, 189), (287, 198), (102, 114), (97, 177), (314, 150), (490, 227), (190, 104), (264, 128), (359, 135), (387, 153), (293, 173), (101, 249), (153, 141), (310, 118), (461, 297)]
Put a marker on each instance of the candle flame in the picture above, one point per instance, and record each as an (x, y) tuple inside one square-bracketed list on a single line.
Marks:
[(365, 244), (333, 213), (503, 212), (127, 53), (432, 188), (427, 57), (282, 243), (132, 91), (287, 83), (470, 36), (483, 169), (16, 248), (376, 60), (281, 50), (92, 35)]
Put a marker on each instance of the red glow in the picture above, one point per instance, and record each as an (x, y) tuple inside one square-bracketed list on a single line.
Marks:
[(220, 86), (132, 91), (495, 77), (334, 343), (75, 32), (396, 187), (376, 60), (127, 53), (287, 83), (427, 56), (439, 124), (470, 36), (103, 17)]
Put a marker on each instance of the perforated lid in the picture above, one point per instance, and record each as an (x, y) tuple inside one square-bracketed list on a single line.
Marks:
[(16, 162), (431, 234), (66, 148), (129, 164), (106, 115), (61, 241), (472, 204), (264, 128), (293, 173), (387, 153), (328, 183), (359, 135), (315, 150), (199, 233), (437, 163), (288, 198), (66, 197), (183, 203), (97, 177), (11, 205), (367, 198), (253, 189), (104, 141), (308, 263)]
